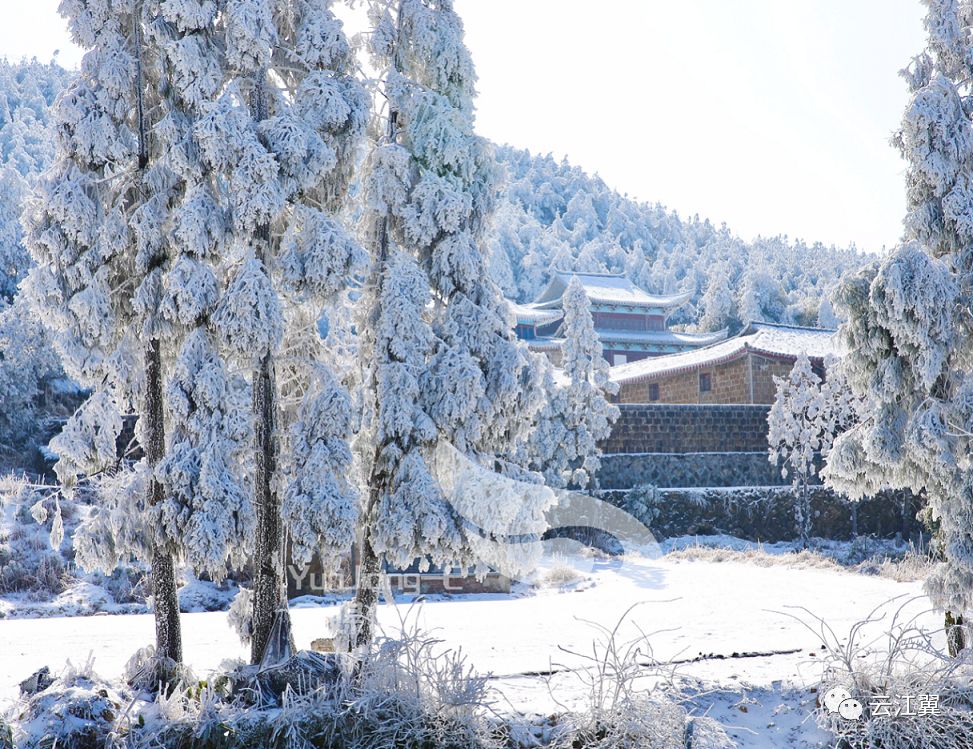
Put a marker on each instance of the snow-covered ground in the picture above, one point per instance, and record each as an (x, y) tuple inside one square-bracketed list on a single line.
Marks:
[(688, 608)]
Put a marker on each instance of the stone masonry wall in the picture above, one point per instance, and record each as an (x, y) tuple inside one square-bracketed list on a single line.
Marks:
[(680, 470), (767, 513), (665, 428)]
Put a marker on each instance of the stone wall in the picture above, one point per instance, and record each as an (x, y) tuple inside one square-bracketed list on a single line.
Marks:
[(680, 470), (665, 428), (767, 513)]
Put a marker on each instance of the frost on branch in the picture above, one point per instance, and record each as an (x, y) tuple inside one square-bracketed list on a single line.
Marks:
[(249, 318), (206, 511), (318, 255), (319, 505)]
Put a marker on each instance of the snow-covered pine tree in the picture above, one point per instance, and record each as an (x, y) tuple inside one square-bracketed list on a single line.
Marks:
[(206, 514), (95, 233), (282, 140), (441, 362), (907, 328), (563, 445), (794, 434), (717, 304)]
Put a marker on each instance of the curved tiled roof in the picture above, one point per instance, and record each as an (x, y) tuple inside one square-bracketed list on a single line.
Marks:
[(607, 288), (528, 313), (766, 339)]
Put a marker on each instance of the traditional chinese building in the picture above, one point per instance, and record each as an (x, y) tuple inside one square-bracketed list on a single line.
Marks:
[(740, 370), (631, 323)]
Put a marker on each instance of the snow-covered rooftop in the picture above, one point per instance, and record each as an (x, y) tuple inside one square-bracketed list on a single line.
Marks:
[(761, 338), (606, 288), (529, 313)]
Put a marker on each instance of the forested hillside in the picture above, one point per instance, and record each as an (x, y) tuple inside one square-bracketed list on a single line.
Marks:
[(554, 215), (27, 359)]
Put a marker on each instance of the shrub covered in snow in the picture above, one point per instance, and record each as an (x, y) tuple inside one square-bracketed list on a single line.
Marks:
[(403, 693), (912, 693), (28, 564), (625, 706), (77, 711)]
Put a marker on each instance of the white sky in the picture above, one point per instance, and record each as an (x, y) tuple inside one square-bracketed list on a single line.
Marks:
[(771, 115)]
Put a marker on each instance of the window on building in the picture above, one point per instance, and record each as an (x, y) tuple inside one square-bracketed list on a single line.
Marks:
[(654, 391), (705, 382), (620, 359)]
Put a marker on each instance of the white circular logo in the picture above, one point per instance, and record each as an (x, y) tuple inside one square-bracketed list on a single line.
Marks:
[(834, 697), (850, 709)]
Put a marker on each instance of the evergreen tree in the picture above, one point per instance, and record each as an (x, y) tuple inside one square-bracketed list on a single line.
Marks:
[(95, 233), (717, 303), (564, 443), (441, 363), (795, 435), (908, 332), (281, 142)]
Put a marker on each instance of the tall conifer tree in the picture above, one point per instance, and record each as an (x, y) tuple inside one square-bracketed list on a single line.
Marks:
[(441, 363), (908, 331)]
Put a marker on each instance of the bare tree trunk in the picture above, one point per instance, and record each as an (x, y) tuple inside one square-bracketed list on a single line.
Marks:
[(369, 572), (805, 515), (267, 583), (168, 632), (268, 591), (955, 634), (368, 575)]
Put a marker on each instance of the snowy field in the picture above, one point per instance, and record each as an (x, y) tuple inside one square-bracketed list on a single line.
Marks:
[(688, 608)]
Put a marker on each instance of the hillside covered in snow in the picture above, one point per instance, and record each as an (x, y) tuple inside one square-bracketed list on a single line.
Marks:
[(554, 215)]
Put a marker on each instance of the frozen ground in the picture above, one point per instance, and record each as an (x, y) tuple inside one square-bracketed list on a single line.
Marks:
[(691, 608)]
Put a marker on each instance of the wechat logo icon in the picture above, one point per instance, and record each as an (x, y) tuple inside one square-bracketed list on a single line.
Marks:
[(839, 700)]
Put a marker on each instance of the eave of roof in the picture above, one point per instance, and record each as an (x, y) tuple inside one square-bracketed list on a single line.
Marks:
[(531, 313), (662, 336)]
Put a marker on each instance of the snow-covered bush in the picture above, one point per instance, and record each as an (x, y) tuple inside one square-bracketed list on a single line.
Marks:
[(28, 564), (912, 693), (401, 693), (623, 708), (77, 711)]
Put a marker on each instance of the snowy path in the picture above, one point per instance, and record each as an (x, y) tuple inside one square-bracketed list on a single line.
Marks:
[(693, 606)]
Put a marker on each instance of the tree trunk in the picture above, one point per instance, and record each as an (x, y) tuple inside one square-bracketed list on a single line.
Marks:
[(955, 634), (268, 589), (267, 583), (168, 635), (368, 575)]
